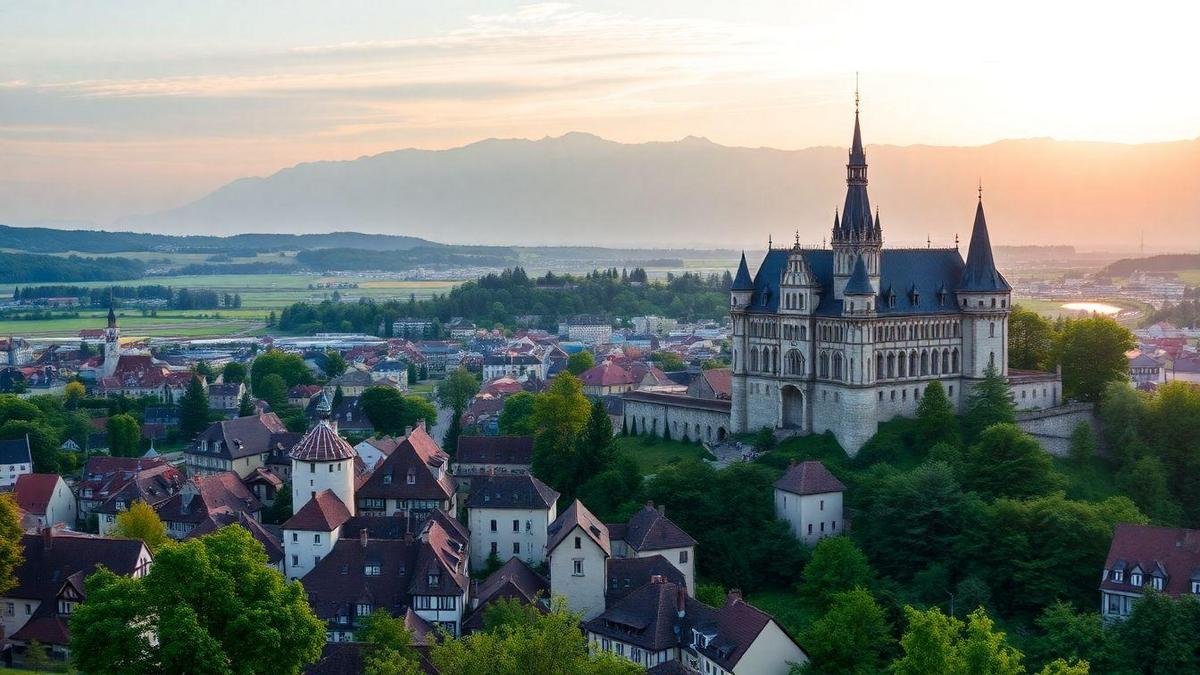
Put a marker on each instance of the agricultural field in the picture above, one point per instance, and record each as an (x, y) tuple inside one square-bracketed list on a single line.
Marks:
[(261, 294)]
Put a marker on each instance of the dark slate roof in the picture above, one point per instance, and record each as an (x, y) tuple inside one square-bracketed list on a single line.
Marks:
[(926, 269), (15, 451), (262, 535), (1174, 553), (809, 478), (650, 530), (716, 405), (859, 283), (742, 281), (494, 450), (577, 515), (628, 574), (50, 557), (241, 436), (521, 491), (980, 273), (646, 617), (514, 580)]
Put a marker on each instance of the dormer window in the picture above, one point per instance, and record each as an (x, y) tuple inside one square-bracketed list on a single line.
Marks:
[(1196, 588), (372, 569), (1135, 578), (387, 479), (412, 477), (1157, 583), (433, 580), (1118, 576)]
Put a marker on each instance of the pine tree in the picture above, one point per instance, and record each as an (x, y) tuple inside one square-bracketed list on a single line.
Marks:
[(338, 397), (245, 405), (193, 409), (412, 374), (450, 441), (990, 403), (935, 414)]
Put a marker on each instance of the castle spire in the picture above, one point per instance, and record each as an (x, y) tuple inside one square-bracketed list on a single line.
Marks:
[(742, 281), (980, 273), (856, 222)]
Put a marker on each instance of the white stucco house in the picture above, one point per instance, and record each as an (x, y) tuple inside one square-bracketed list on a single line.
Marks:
[(809, 499), (578, 548), (509, 515)]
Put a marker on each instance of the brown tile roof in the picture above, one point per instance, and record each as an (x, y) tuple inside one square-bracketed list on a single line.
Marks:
[(514, 580), (809, 478), (521, 491), (240, 437), (650, 530), (153, 486), (417, 456), (720, 380), (628, 574), (1170, 552), (322, 444), (325, 512), (577, 515), (262, 535), (494, 450), (33, 491), (203, 496), (50, 559)]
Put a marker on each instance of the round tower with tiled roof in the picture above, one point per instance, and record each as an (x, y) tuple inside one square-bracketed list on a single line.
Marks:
[(322, 460)]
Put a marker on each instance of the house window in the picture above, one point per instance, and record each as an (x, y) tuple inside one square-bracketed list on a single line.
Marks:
[(1195, 591), (822, 504), (362, 609), (295, 561), (494, 549), (1135, 579), (493, 526), (516, 526), (683, 556), (8, 606), (516, 548), (1118, 576), (576, 570), (295, 536), (1157, 583), (578, 542), (371, 569), (810, 528), (434, 580), (316, 538)]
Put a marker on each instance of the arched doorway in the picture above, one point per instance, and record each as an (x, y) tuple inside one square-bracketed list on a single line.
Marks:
[(792, 403)]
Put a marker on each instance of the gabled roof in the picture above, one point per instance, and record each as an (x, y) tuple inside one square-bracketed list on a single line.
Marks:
[(206, 495), (322, 444), (15, 451), (325, 512), (521, 491), (606, 374), (241, 436), (417, 455), (52, 556), (494, 450), (514, 580), (577, 515), (650, 530), (1173, 551), (33, 492), (646, 617), (261, 534), (628, 574), (809, 478)]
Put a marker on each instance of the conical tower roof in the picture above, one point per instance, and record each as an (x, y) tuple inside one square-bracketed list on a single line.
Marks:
[(743, 282), (322, 444), (859, 283), (980, 273)]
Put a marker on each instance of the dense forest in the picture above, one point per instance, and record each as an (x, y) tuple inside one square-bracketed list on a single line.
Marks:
[(502, 298), (173, 298), (363, 259), (49, 240), (1157, 263), (1185, 314), (25, 268)]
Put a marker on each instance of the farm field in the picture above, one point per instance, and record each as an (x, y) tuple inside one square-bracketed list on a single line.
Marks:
[(261, 294)]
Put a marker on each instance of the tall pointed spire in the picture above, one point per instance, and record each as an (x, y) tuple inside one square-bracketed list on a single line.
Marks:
[(112, 316), (856, 223), (980, 273), (742, 281), (860, 283)]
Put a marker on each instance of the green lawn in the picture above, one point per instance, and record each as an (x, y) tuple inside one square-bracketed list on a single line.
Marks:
[(652, 455)]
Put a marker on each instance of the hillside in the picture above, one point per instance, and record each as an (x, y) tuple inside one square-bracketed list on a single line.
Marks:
[(583, 189), (49, 240)]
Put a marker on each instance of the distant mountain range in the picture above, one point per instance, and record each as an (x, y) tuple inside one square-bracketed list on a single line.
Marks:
[(582, 189), (50, 240)]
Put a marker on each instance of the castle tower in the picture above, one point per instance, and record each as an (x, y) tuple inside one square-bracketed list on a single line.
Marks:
[(855, 234), (112, 344), (322, 460), (984, 297)]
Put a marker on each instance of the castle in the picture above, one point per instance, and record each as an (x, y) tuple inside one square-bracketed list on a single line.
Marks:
[(841, 338)]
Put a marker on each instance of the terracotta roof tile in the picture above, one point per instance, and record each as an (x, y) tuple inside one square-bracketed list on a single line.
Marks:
[(809, 478), (322, 444), (325, 512)]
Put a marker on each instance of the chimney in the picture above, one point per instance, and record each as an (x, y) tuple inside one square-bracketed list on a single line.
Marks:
[(656, 578), (681, 601), (47, 538), (362, 537), (407, 431), (734, 595), (662, 510)]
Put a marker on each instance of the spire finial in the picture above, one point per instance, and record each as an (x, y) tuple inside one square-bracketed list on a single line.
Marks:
[(769, 242), (928, 241), (981, 188), (856, 92), (797, 238), (955, 241)]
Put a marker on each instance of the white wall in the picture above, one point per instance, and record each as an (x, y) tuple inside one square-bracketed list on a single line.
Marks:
[(10, 472), (306, 548), (688, 569), (804, 511), (584, 592), (22, 610), (530, 534), (308, 478), (772, 653)]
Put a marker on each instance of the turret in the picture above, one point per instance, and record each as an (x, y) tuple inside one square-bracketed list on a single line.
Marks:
[(743, 286), (859, 295), (322, 460), (798, 289), (983, 296), (855, 234)]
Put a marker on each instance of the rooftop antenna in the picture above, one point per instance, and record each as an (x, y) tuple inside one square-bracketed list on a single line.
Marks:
[(797, 238)]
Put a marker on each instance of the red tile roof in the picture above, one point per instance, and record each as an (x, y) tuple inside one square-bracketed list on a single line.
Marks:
[(607, 374), (720, 380), (203, 496), (322, 444), (33, 491), (325, 512), (1171, 552), (809, 478)]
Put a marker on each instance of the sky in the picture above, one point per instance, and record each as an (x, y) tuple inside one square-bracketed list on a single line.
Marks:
[(118, 108)]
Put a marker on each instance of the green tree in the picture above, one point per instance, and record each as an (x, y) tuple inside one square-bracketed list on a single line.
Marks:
[(1083, 444), (990, 403), (36, 657), (233, 372), (853, 636), (1173, 425), (202, 369), (453, 432), (388, 646), (516, 418), (595, 452), (935, 416), (549, 644), (44, 441), (73, 393), (335, 364), (124, 435), (559, 417), (668, 361), (1066, 634), (290, 367), (836, 566), (214, 605), (273, 389), (936, 643), (391, 412), (1122, 411), (1092, 354), (11, 551), (1160, 635), (193, 409), (457, 390), (1145, 482), (245, 405), (1007, 462), (140, 521), (338, 397), (412, 374), (579, 362), (1030, 340)]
